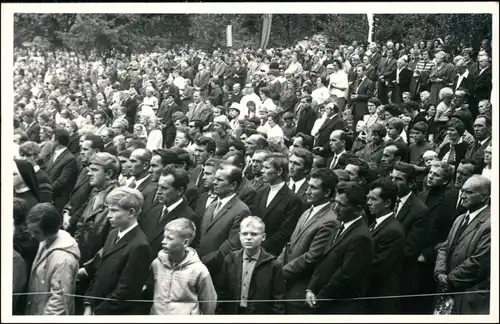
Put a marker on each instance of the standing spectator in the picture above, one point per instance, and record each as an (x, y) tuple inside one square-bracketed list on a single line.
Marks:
[(121, 268), (364, 89), (55, 269), (385, 72), (261, 275), (441, 76), (29, 152), (25, 183), (32, 128), (62, 169), (469, 239)]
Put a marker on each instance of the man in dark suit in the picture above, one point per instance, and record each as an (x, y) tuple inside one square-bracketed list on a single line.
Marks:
[(208, 177), (482, 81), (441, 201), (385, 72), (277, 205), (62, 169), (401, 79), (253, 143), (413, 215), (167, 108), (109, 146), (464, 79), (463, 263), (388, 238), (363, 90), (305, 116), (300, 164), (344, 269), (246, 192), (220, 224), (257, 162), (32, 127), (140, 160), (333, 122), (81, 191), (309, 239), (204, 148), (131, 104), (337, 150), (171, 187), (120, 270), (482, 136)]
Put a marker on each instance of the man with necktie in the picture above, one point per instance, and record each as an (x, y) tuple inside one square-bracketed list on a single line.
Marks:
[(345, 267), (413, 215), (463, 261), (220, 225), (309, 239), (388, 238)]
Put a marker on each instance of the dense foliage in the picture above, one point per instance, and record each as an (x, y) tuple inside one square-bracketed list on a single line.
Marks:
[(145, 32)]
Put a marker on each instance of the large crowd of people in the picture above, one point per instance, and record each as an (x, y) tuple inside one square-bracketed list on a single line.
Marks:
[(320, 180)]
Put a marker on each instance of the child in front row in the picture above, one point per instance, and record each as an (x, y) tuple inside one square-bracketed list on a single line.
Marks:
[(180, 284), (251, 280)]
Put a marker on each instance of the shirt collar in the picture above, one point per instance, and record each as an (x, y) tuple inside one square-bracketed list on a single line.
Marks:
[(59, 151), (316, 209), (122, 234), (404, 199), (379, 220), (484, 141), (255, 257), (36, 168), (349, 223), (333, 116), (224, 201), (174, 205), (475, 213), (138, 182), (277, 187), (298, 184)]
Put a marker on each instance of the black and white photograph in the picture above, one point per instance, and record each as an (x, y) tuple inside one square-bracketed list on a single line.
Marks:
[(250, 159)]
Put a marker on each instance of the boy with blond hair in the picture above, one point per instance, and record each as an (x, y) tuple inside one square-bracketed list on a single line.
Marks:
[(180, 283), (251, 275)]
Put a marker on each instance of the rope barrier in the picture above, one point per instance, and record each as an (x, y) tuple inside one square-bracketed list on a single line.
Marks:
[(265, 300)]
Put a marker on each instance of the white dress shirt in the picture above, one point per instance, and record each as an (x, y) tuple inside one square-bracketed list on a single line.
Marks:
[(477, 212), (460, 78), (336, 158), (273, 191), (315, 210), (121, 234), (223, 202), (57, 153), (379, 220), (298, 184), (346, 225), (338, 78), (172, 206), (402, 201)]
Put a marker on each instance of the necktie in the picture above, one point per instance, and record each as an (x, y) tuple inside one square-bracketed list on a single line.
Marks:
[(459, 201), (198, 180), (117, 238), (294, 187), (217, 208), (334, 161), (308, 216), (341, 228), (372, 226), (396, 207), (163, 214), (462, 228)]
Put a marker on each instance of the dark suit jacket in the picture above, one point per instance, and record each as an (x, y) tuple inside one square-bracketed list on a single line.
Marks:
[(79, 196), (165, 113), (63, 174), (364, 89), (388, 239), (280, 217), (148, 188), (460, 151), (302, 193), (483, 85), (341, 161), (306, 117), (344, 270), (33, 132), (475, 152), (247, 193), (154, 229), (110, 148), (131, 105), (323, 137), (414, 217), (220, 233), (74, 144), (119, 273), (267, 283), (305, 249), (386, 67), (405, 76)]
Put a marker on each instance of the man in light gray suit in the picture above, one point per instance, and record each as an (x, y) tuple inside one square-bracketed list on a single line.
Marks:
[(220, 225), (309, 239), (463, 261)]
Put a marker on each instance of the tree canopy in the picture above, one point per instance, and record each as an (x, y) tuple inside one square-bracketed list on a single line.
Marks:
[(145, 32)]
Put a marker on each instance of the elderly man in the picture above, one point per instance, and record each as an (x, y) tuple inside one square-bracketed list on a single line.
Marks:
[(463, 261)]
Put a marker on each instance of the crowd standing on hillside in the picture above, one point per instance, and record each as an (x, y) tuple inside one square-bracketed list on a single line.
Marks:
[(320, 180)]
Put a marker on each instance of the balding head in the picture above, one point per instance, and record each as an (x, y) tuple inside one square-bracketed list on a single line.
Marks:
[(476, 192)]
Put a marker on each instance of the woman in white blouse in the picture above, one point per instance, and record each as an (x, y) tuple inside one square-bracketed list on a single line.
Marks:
[(487, 162), (321, 93), (338, 83), (274, 131)]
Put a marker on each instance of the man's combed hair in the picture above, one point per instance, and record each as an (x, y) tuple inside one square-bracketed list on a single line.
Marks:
[(126, 198)]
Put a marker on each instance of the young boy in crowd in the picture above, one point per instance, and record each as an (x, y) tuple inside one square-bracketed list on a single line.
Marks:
[(251, 274), (179, 283)]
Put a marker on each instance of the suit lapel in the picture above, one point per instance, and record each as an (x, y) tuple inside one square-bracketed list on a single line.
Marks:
[(121, 243), (222, 212), (386, 221), (476, 222), (144, 184), (160, 227), (406, 208), (276, 200), (54, 163), (315, 218), (207, 217), (341, 236), (82, 179)]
